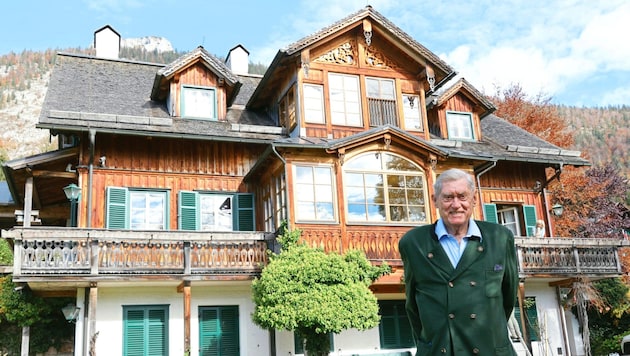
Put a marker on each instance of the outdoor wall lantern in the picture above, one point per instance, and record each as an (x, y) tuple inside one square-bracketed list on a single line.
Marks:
[(73, 192), (557, 209), (70, 312)]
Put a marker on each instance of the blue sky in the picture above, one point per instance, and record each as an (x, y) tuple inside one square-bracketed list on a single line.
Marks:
[(575, 51)]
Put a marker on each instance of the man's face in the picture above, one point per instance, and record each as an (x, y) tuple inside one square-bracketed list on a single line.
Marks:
[(455, 203)]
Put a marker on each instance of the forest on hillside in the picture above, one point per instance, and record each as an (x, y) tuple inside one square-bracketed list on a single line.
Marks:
[(602, 134)]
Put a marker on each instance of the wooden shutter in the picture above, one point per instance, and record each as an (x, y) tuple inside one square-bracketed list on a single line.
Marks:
[(243, 212), (490, 213), (145, 330), (117, 216), (529, 214), (394, 329), (218, 331), (188, 216)]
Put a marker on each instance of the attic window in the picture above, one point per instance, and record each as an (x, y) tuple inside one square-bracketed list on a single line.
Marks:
[(199, 103), (459, 125)]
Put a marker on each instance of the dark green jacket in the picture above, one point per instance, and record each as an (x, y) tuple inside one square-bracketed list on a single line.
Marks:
[(464, 310)]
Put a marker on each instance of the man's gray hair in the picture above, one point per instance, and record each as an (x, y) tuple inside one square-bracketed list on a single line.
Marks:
[(450, 175)]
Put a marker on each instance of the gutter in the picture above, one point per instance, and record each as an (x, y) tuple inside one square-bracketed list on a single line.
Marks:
[(485, 170)]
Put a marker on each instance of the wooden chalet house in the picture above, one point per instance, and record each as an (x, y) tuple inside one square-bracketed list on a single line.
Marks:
[(187, 170)]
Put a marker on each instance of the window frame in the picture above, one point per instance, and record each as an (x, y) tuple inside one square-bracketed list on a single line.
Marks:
[(146, 327), (213, 116), (408, 120), (287, 109), (314, 184), (314, 110), (457, 125), (388, 204), (341, 117), (118, 210), (189, 210)]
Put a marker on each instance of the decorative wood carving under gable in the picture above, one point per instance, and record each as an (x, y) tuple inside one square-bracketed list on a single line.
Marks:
[(346, 53), (375, 58)]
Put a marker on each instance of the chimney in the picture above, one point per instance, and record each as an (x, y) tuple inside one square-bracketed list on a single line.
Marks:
[(238, 60), (107, 42)]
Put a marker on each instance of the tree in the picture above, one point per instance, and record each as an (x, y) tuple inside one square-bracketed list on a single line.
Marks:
[(312, 293), (594, 202), (22, 308), (536, 115)]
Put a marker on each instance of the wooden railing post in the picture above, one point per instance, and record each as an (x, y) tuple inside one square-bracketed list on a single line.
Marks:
[(93, 246), (17, 257), (186, 257), (576, 255)]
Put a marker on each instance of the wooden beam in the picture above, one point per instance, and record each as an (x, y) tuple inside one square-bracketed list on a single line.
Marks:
[(55, 174), (186, 317)]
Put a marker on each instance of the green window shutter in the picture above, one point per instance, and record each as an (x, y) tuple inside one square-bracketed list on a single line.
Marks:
[(218, 331), (529, 212), (490, 213), (243, 212), (531, 316), (145, 330), (394, 328), (188, 218), (117, 216)]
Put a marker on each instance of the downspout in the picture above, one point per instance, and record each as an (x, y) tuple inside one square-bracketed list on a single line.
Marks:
[(272, 332), (90, 174), (483, 171)]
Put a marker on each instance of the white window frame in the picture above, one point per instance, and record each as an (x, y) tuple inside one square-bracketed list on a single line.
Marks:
[(382, 94), (345, 99), (460, 125), (412, 113), (196, 103), (152, 213), (315, 191), (313, 103), (369, 190), (213, 207), (515, 225)]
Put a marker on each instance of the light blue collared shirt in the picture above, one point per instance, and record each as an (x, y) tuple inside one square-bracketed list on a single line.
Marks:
[(453, 249)]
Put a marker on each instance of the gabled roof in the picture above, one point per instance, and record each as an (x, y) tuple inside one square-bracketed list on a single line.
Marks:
[(198, 55), (442, 70), (464, 87)]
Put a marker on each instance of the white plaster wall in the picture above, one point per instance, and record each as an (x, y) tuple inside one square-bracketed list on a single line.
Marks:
[(254, 341), (549, 320)]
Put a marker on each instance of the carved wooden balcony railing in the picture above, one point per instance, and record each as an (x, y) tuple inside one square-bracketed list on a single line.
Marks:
[(95, 252), (552, 257)]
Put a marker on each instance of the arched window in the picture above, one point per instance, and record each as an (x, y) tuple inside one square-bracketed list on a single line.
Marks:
[(383, 187)]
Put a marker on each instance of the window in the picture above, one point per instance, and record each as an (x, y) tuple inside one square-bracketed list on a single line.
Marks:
[(394, 328), (314, 103), (459, 125), (345, 101), (274, 201), (531, 318), (137, 209), (286, 109), (216, 211), (411, 110), (315, 198), (382, 187), (381, 95), (298, 343), (521, 220), (199, 102), (218, 331), (145, 330)]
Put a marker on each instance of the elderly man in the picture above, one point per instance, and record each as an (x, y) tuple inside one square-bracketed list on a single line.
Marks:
[(461, 276)]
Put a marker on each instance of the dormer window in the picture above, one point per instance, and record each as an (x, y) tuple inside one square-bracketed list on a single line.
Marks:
[(199, 102), (459, 125), (411, 110), (381, 96)]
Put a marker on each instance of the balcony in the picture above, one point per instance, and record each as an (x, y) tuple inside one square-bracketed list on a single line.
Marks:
[(565, 257), (62, 254)]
